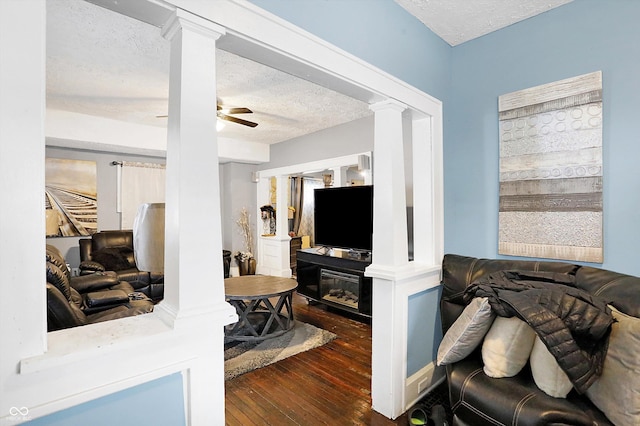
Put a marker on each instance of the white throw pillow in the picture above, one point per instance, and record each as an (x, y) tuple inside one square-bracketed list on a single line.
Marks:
[(617, 391), (466, 333), (547, 374), (507, 346)]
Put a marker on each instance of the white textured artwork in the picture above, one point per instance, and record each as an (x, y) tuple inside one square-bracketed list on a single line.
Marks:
[(551, 170)]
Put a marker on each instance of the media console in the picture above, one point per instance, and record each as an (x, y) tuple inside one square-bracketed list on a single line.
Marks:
[(336, 278)]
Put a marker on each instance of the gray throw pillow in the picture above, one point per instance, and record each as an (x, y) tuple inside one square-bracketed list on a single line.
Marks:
[(467, 332), (617, 390)]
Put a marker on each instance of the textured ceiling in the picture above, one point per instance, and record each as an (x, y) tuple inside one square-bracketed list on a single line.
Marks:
[(457, 21), (105, 64), (109, 65)]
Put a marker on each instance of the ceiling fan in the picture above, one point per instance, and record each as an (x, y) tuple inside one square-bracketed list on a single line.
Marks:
[(223, 114)]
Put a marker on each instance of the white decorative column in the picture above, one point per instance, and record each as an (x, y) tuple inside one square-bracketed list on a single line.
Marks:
[(339, 176), (193, 220), (428, 232), (395, 278), (273, 251), (390, 255), (282, 204), (424, 191), (390, 245)]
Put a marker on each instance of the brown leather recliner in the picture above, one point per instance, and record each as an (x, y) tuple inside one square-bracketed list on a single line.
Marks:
[(74, 301), (59, 275), (113, 251)]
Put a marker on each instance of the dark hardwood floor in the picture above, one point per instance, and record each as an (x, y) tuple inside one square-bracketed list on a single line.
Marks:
[(329, 385)]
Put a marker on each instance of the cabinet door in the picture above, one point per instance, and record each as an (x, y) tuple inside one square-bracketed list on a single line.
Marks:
[(364, 304), (294, 245), (308, 275)]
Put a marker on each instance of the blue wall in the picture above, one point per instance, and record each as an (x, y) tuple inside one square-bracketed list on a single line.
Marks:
[(160, 402), (578, 38), (424, 329), (378, 31)]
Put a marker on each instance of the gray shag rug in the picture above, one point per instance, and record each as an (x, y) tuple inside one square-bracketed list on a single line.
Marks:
[(242, 357)]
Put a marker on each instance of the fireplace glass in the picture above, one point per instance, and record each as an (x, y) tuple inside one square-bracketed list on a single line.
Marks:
[(340, 288)]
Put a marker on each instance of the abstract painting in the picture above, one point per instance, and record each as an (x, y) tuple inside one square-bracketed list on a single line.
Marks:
[(551, 170), (71, 207)]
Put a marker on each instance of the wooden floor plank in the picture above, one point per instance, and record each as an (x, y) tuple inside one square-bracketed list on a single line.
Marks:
[(330, 385)]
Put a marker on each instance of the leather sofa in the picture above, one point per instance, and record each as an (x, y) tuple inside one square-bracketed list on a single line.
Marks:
[(477, 399), (113, 251), (75, 301)]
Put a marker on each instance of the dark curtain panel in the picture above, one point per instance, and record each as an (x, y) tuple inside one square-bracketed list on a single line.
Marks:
[(296, 202)]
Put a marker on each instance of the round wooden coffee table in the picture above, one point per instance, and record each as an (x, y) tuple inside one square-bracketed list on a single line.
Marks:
[(253, 296)]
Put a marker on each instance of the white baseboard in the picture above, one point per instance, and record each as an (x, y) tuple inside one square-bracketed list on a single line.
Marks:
[(420, 383)]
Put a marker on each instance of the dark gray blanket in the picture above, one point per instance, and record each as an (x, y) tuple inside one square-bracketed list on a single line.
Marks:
[(573, 324)]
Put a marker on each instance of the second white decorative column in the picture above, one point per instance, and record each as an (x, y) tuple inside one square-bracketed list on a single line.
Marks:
[(390, 255)]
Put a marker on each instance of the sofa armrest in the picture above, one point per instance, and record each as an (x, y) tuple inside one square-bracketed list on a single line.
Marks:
[(90, 267), (103, 298), (120, 312), (93, 282)]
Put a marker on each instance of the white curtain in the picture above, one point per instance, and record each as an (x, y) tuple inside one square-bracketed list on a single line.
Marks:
[(139, 183), (306, 221)]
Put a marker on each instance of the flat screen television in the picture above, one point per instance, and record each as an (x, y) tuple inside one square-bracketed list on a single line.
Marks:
[(343, 217)]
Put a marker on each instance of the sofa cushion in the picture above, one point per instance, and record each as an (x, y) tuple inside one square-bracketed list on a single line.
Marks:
[(547, 374), (113, 258), (507, 346), (617, 391), (467, 332)]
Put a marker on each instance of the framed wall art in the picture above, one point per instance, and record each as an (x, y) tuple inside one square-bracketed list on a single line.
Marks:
[(71, 207), (550, 203)]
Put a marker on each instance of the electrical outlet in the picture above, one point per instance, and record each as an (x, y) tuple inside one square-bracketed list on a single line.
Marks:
[(75, 272)]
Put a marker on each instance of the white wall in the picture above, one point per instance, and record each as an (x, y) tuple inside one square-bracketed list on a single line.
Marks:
[(349, 138), (237, 191)]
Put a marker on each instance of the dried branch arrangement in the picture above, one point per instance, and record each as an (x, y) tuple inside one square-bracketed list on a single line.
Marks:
[(245, 230)]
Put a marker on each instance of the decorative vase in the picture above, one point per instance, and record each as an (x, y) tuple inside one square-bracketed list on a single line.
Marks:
[(247, 267)]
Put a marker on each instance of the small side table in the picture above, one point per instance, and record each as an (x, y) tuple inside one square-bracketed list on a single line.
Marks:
[(259, 318)]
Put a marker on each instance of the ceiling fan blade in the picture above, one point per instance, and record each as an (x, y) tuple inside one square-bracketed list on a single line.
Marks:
[(237, 120), (224, 116), (235, 110)]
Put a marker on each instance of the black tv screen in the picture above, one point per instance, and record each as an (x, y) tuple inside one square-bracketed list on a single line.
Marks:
[(343, 217)]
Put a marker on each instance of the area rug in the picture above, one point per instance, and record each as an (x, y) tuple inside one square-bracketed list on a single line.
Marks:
[(242, 357)]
